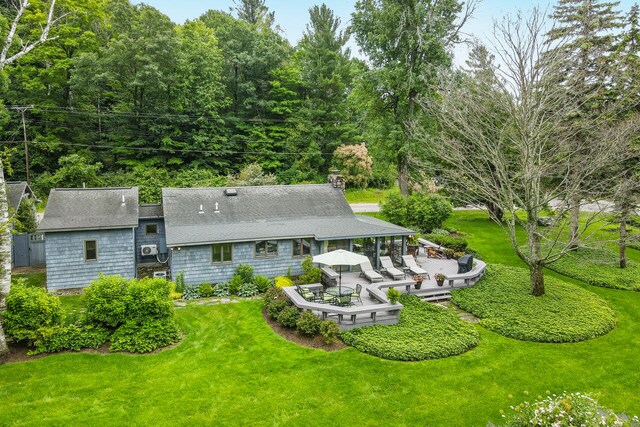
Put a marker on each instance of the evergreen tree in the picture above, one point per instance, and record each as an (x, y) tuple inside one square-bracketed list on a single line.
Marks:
[(254, 12)]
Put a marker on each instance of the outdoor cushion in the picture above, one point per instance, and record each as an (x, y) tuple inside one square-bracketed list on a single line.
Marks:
[(387, 264), (368, 272), (410, 262)]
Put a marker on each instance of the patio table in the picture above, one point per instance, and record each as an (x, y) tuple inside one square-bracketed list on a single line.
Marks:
[(339, 291)]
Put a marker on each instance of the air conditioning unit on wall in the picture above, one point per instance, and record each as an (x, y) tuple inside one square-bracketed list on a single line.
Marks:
[(147, 250)]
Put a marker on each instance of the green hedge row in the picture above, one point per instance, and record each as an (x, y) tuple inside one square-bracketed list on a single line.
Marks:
[(566, 313), (599, 267), (425, 331)]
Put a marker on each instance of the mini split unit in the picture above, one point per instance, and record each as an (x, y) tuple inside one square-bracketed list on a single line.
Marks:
[(147, 250)]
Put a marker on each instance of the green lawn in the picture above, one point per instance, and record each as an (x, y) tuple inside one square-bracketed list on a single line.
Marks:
[(34, 279), (369, 195), (231, 369)]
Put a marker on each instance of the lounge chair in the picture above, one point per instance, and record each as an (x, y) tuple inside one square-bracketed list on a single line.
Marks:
[(387, 267), (414, 268), (368, 272)]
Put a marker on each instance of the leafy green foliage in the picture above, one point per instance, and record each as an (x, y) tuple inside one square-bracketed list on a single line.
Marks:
[(248, 289), (393, 295), (308, 324), (105, 301), (28, 309), (354, 162), (566, 410), (144, 335), (221, 290), (275, 301), (24, 220), (149, 299), (190, 293), (329, 331), (282, 282), (457, 244), (427, 211), (599, 267), (235, 284), (311, 273), (566, 313), (394, 208), (205, 290), (51, 339), (245, 272), (288, 317), (262, 282), (180, 283), (425, 331)]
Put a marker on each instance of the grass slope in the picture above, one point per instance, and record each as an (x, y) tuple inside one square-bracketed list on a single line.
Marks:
[(425, 331), (232, 369), (565, 313), (599, 267)]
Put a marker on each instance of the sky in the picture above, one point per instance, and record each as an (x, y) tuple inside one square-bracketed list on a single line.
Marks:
[(292, 15)]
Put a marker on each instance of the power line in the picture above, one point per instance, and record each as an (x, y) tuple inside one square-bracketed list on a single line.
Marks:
[(22, 109)]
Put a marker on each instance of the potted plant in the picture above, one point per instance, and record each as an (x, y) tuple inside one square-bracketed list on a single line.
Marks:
[(412, 245), (418, 279), (393, 295), (449, 253), (458, 255), (440, 278)]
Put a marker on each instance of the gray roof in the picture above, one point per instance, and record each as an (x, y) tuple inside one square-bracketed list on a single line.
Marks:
[(70, 209), (150, 211), (16, 190), (266, 212)]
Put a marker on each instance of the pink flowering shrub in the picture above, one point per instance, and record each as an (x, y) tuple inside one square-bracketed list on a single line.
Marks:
[(354, 163)]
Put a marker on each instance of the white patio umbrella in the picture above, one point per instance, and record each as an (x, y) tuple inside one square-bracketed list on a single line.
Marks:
[(340, 257)]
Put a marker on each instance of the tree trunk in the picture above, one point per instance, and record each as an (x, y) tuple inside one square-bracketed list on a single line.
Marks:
[(5, 256), (574, 221), (403, 175), (494, 211), (623, 241), (537, 279)]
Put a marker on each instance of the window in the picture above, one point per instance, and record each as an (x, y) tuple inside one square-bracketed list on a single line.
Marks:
[(266, 248), (151, 229), (301, 247), (332, 245), (221, 252), (90, 250)]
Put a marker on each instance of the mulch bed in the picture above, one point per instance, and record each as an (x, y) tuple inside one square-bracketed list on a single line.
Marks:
[(304, 341)]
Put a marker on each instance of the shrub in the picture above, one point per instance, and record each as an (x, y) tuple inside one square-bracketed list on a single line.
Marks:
[(425, 331), (354, 163), (148, 299), (205, 290), (235, 284), (276, 307), (599, 267), (274, 294), (221, 290), (144, 335), (105, 302), (568, 409), (275, 301), (428, 211), (190, 293), (394, 208), (311, 272), (393, 295), (172, 291), (180, 283), (566, 313), (51, 339), (28, 309), (262, 282), (245, 272), (282, 282), (329, 331), (308, 324), (288, 317), (457, 244), (248, 290), (440, 232)]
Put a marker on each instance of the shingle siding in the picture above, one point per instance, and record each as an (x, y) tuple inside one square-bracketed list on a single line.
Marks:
[(143, 239), (196, 263), (66, 267)]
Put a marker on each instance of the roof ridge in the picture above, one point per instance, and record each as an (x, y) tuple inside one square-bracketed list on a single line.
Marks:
[(249, 186), (94, 188)]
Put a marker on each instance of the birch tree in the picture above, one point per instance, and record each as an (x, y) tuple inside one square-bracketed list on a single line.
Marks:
[(505, 140)]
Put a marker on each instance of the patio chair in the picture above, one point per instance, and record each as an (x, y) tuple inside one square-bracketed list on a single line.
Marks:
[(344, 300), (306, 293), (326, 298), (414, 268), (357, 293), (387, 267), (369, 273)]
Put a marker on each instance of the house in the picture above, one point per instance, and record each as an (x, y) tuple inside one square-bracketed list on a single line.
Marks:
[(204, 232), (16, 192)]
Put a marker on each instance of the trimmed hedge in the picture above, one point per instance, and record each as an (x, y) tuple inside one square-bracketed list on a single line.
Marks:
[(458, 244), (566, 313), (425, 331), (29, 309), (144, 335), (52, 339), (599, 267)]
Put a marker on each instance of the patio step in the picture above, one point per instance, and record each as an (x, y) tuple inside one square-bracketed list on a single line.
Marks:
[(432, 294)]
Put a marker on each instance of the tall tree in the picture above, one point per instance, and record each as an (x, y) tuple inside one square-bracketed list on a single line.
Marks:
[(254, 12), (523, 136), (405, 41), (584, 30)]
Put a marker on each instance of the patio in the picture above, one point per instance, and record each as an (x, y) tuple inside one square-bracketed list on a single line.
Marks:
[(375, 308)]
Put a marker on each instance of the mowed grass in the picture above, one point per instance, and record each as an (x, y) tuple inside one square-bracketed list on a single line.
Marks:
[(369, 195), (231, 369)]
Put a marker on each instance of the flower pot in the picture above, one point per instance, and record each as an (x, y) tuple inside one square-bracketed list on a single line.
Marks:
[(418, 285), (440, 282)]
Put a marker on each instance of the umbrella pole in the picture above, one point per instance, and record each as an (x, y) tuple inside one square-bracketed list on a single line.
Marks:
[(340, 282)]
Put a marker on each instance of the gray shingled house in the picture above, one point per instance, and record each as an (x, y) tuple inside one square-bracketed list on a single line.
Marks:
[(16, 192), (204, 232)]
